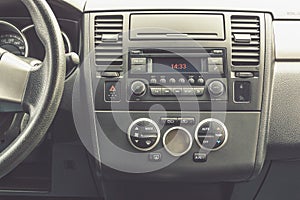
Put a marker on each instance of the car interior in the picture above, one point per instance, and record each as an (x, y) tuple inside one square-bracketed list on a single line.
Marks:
[(149, 100)]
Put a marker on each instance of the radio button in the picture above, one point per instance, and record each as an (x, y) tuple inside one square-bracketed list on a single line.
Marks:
[(201, 81), (172, 81), (163, 81), (138, 69), (215, 69), (138, 61), (188, 92), (191, 81), (155, 91), (166, 92), (199, 91), (177, 91), (153, 81), (181, 81), (215, 61)]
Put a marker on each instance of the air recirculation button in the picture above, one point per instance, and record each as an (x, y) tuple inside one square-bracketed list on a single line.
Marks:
[(144, 134), (211, 134)]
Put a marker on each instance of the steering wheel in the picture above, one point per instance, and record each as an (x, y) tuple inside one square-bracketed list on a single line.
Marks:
[(32, 86)]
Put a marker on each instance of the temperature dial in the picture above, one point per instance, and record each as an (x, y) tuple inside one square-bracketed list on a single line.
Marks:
[(144, 134), (211, 134)]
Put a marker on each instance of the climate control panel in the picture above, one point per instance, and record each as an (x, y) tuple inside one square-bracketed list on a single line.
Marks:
[(144, 134)]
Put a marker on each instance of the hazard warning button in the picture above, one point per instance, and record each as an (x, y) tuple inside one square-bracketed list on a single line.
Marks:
[(112, 91)]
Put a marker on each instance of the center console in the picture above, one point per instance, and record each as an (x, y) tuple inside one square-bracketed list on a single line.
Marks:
[(178, 94)]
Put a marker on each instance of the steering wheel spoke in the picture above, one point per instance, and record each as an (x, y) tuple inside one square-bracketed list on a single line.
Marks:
[(14, 75)]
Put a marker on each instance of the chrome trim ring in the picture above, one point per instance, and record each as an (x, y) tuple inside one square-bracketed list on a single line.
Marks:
[(144, 120), (211, 120), (187, 133)]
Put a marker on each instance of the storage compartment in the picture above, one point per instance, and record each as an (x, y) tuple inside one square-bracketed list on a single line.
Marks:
[(177, 26)]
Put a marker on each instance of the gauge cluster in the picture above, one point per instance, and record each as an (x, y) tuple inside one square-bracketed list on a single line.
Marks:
[(18, 36), (12, 39)]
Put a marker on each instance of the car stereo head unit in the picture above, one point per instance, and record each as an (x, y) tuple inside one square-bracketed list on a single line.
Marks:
[(182, 61), (196, 74)]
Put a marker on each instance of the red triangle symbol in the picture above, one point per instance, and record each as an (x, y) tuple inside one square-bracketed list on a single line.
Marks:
[(112, 88)]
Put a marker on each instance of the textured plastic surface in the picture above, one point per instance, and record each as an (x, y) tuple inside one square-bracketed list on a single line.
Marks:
[(287, 40), (284, 137), (166, 26)]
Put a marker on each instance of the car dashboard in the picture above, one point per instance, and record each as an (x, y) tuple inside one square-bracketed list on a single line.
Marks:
[(185, 98)]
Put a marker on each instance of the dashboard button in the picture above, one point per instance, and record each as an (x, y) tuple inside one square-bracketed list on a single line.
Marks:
[(187, 121), (169, 121), (112, 91), (215, 61), (188, 92), (172, 81), (166, 92), (201, 81), (153, 81), (191, 81), (155, 157), (199, 91), (242, 91), (199, 157), (181, 81), (138, 69), (216, 69), (138, 61), (177, 91), (155, 91), (163, 81)]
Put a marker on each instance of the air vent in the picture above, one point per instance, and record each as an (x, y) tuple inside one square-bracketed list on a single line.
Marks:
[(108, 42), (245, 40)]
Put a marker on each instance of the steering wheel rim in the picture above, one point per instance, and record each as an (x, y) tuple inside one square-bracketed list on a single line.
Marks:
[(44, 86)]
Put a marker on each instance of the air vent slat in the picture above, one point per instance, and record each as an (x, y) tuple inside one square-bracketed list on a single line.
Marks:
[(245, 52), (108, 42), (247, 26), (252, 20)]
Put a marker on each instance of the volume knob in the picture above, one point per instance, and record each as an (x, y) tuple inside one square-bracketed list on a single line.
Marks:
[(216, 88), (138, 88)]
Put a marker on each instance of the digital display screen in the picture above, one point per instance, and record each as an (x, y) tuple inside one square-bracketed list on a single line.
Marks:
[(177, 64)]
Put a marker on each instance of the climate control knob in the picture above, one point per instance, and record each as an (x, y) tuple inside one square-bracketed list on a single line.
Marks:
[(138, 88), (143, 134), (211, 134), (216, 88)]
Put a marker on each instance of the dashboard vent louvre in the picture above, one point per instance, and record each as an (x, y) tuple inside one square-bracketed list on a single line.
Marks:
[(245, 32), (109, 42)]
